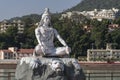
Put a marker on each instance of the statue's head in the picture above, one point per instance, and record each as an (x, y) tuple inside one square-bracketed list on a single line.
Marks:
[(57, 65), (46, 18), (46, 13)]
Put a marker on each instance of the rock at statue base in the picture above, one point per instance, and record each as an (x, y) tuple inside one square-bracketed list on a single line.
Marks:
[(31, 68)]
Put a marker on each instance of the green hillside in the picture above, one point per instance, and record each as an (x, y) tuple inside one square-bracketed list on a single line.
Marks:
[(33, 17), (96, 4)]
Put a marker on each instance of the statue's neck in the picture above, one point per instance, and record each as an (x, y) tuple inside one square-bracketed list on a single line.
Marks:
[(45, 27)]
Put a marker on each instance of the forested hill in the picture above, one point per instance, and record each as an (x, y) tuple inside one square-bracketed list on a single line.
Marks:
[(96, 4), (33, 17)]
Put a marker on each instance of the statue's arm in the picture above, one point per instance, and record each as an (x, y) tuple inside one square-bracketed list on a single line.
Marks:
[(68, 49), (59, 38), (37, 34)]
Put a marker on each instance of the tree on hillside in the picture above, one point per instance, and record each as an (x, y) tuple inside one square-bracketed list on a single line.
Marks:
[(30, 39), (11, 34), (98, 34), (116, 37), (3, 39)]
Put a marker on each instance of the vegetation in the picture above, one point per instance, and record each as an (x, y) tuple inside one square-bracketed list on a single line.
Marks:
[(85, 5), (32, 17), (71, 31)]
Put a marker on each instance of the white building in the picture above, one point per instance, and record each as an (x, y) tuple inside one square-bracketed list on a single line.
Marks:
[(103, 54), (95, 14), (6, 24), (15, 53)]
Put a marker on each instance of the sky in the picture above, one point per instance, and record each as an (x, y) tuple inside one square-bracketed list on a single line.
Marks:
[(18, 8)]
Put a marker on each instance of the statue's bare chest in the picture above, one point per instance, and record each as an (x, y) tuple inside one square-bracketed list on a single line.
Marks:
[(47, 33)]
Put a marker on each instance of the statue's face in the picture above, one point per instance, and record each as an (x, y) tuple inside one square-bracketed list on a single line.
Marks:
[(57, 65), (46, 20)]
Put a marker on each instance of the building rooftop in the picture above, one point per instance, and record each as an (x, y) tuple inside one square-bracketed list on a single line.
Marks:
[(6, 51), (25, 51), (29, 51)]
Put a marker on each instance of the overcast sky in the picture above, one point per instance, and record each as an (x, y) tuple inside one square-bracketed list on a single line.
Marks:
[(18, 8)]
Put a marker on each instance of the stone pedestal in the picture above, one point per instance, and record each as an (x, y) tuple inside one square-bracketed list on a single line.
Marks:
[(67, 69)]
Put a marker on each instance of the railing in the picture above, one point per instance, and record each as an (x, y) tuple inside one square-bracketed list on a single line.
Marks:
[(7, 75), (89, 76), (103, 76)]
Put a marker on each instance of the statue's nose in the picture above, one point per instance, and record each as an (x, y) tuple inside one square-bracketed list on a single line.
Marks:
[(58, 64)]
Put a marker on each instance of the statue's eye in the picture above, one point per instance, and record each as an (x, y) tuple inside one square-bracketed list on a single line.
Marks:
[(55, 63), (47, 18)]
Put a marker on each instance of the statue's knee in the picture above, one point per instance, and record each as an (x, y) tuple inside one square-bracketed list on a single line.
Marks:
[(38, 53)]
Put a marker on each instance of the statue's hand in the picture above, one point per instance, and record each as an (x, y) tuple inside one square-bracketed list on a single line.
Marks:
[(68, 49)]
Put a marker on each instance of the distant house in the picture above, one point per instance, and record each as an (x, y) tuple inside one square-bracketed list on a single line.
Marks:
[(103, 54), (87, 28), (4, 25), (14, 53), (6, 54), (112, 27), (24, 53)]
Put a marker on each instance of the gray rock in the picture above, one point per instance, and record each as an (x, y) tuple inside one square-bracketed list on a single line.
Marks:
[(44, 71)]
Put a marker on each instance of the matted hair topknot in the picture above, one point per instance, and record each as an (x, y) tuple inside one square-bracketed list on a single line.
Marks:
[(46, 13)]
